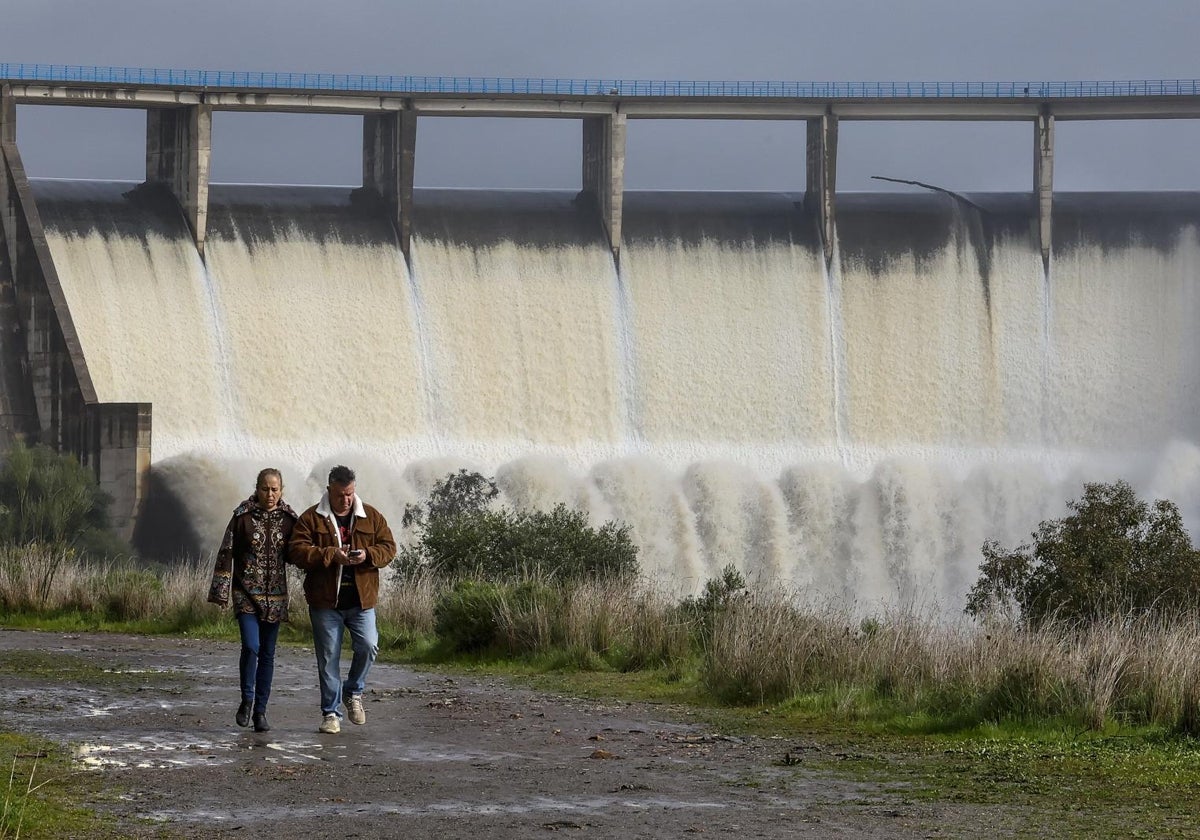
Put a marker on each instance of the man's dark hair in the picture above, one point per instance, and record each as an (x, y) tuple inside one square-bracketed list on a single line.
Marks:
[(341, 475)]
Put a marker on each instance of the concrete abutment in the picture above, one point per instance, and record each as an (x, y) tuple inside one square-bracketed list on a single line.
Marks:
[(48, 392)]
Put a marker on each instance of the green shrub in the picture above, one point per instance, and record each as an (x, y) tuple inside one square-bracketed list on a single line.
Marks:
[(1112, 555), (530, 617), (477, 615), (457, 493), (51, 499), (465, 617), (719, 593), (759, 652), (1187, 720), (459, 536)]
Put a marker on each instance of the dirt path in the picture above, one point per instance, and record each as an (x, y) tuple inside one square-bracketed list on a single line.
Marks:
[(438, 757)]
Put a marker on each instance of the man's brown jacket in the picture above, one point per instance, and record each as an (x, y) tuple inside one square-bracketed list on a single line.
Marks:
[(315, 542)]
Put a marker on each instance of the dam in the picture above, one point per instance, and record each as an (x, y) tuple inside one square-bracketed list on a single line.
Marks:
[(850, 416)]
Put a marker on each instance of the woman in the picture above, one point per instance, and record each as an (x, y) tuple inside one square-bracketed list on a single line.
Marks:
[(251, 563)]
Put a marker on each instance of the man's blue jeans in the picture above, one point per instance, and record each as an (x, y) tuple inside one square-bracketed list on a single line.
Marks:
[(328, 627), (257, 663)]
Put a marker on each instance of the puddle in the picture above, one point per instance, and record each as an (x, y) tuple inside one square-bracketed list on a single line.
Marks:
[(68, 703), (162, 752), (63, 701), (541, 804), (147, 754), (430, 754), (139, 671), (98, 711)]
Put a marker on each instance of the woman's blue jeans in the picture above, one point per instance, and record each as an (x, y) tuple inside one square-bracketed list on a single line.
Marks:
[(257, 663), (328, 631)]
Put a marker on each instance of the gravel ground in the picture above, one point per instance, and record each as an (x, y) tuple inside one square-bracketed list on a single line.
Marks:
[(438, 757)]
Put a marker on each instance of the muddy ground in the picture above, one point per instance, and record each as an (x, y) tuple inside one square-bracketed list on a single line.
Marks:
[(438, 757)]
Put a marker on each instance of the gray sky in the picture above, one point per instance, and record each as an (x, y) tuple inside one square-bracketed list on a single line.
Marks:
[(792, 40)]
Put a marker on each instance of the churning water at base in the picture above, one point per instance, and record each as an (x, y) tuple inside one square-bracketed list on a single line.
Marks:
[(856, 430)]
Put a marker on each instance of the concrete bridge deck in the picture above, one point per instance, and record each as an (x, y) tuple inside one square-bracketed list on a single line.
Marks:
[(138, 87)]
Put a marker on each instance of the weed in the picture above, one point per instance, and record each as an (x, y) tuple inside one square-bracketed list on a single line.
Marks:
[(37, 801)]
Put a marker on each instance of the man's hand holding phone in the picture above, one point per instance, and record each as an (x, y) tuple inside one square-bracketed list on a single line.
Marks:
[(354, 556)]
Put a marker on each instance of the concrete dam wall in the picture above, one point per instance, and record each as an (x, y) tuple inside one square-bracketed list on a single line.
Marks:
[(856, 431)]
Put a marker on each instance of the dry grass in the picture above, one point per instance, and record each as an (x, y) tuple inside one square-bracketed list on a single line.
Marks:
[(1146, 671), (405, 604), (39, 581), (627, 622), (760, 647)]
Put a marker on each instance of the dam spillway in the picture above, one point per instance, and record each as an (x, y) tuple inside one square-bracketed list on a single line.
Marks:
[(855, 427)]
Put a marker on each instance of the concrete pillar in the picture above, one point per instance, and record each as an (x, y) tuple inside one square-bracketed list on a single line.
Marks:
[(58, 374), (118, 451), (1043, 177), (821, 185), (604, 171), (18, 411), (178, 152), (8, 195), (389, 162), (8, 115)]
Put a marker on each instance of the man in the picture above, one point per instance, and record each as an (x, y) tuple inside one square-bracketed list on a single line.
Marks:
[(342, 544)]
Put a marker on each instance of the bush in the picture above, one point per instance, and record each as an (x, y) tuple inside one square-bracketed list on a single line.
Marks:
[(1112, 555), (458, 493), (763, 649), (51, 499), (461, 537), (719, 593), (502, 545), (465, 616), (476, 615)]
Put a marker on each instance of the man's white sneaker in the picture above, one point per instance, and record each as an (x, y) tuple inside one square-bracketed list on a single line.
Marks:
[(355, 710), (330, 725)]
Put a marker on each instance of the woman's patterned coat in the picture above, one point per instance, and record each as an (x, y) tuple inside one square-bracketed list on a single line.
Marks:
[(250, 562)]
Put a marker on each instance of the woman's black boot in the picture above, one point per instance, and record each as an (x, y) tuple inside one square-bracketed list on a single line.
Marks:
[(260, 722), (243, 713)]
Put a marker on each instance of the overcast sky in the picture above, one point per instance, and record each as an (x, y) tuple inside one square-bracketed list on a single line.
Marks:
[(791, 40)]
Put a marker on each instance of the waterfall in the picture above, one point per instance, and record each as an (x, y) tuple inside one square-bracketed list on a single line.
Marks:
[(855, 430)]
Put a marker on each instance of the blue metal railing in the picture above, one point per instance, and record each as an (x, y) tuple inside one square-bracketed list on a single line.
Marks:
[(488, 85)]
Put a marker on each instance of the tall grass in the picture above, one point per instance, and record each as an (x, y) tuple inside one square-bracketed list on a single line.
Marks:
[(623, 623), (763, 646), (49, 582), (405, 606), (1138, 671)]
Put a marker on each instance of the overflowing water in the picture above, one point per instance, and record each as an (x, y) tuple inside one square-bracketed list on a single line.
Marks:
[(856, 429)]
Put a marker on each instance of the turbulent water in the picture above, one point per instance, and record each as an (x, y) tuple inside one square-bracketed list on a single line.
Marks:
[(856, 431)]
